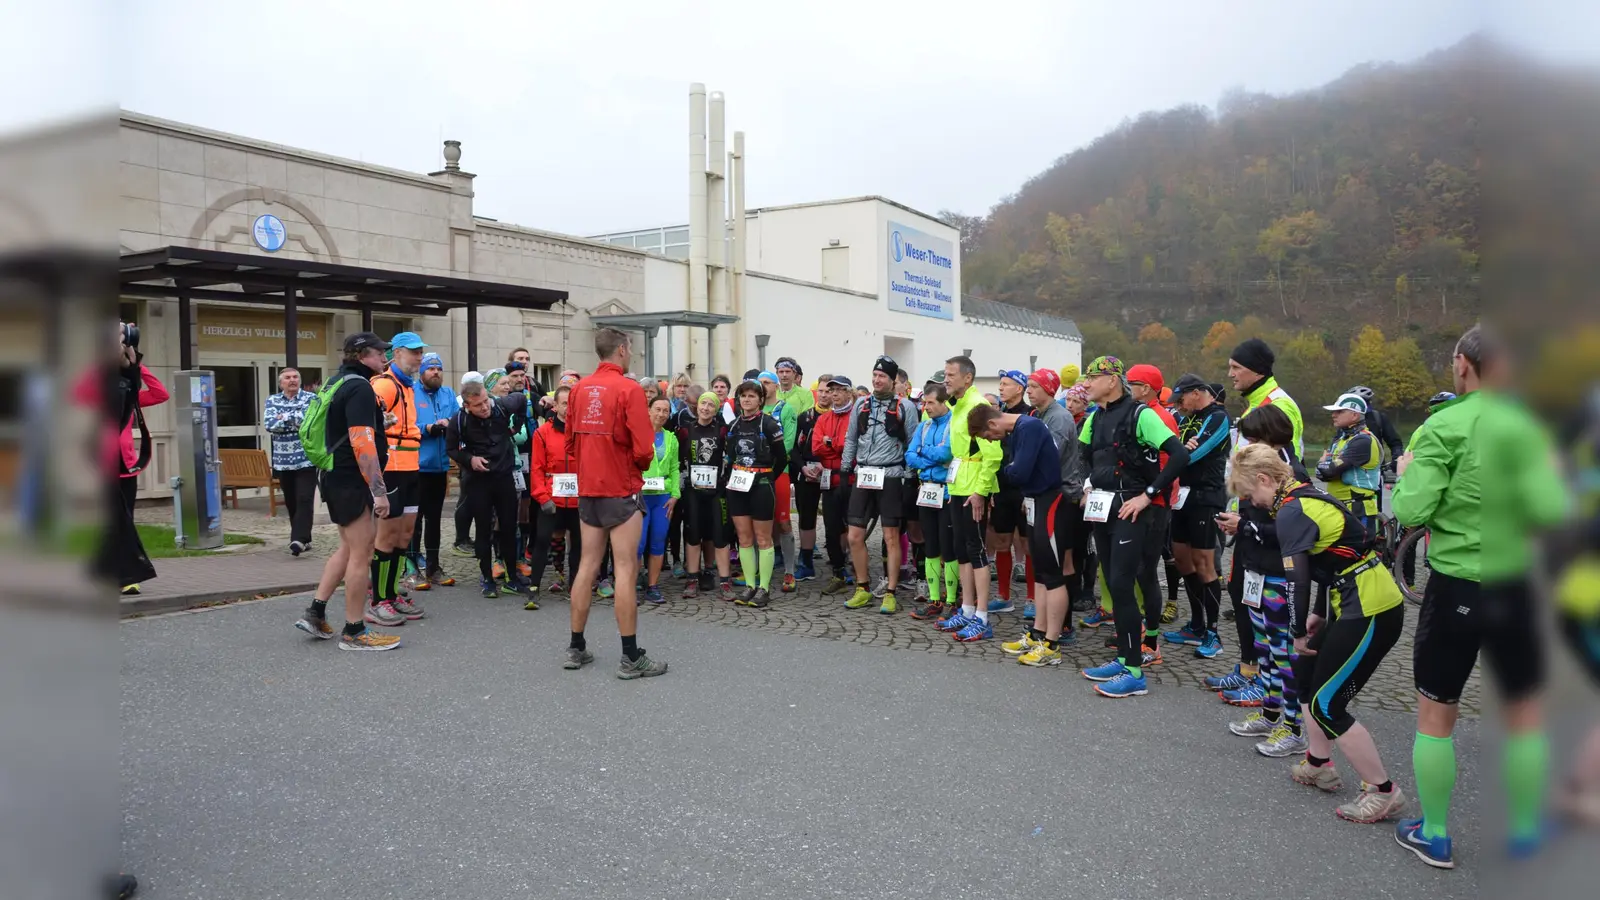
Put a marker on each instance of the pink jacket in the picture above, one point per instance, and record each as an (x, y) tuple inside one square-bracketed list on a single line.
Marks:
[(88, 392)]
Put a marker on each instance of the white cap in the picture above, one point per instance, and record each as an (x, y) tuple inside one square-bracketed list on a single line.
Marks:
[(471, 376), (1351, 402)]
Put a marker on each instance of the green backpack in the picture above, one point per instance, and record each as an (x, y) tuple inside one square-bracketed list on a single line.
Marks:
[(314, 427)]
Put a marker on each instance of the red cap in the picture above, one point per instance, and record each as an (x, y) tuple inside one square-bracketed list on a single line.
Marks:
[(1146, 374), (1047, 379)]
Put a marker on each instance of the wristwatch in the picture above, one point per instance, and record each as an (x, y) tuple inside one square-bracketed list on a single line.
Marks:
[(1150, 492)]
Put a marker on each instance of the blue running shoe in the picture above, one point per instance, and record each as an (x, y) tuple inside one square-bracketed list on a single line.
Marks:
[(1124, 685), (976, 630), (1210, 647), (1068, 638), (1097, 618), (1433, 851), (1250, 695), (955, 622), (1190, 635), (1027, 610), (1000, 606), (1107, 672), (1229, 682), (804, 571)]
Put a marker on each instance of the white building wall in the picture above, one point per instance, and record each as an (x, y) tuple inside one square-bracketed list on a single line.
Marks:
[(789, 241)]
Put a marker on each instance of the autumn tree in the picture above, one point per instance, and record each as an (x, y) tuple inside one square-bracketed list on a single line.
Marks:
[(1406, 382), (1290, 246), (1158, 345), (1306, 369), (1369, 360), (1104, 339)]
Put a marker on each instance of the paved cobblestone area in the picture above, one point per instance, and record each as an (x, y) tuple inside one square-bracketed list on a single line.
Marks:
[(808, 612)]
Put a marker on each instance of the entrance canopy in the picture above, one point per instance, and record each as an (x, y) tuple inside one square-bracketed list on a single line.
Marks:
[(195, 273), (652, 323)]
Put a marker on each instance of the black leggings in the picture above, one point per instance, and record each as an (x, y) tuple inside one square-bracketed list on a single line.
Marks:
[(549, 524), (1081, 582), (1348, 651), (491, 498), (463, 511), (1129, 550), (835, 503), (425, 537), (1241, 613), (807, 497)]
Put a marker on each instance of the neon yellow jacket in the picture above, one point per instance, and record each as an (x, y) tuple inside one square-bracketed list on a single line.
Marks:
[(979, 468)]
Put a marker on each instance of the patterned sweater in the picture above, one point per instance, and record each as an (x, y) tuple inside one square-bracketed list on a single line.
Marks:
[(282, 418)]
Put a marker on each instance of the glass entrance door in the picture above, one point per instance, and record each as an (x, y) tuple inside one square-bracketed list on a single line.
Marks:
[(242, 391)]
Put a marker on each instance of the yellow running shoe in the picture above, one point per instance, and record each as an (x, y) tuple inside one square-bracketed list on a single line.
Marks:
[(1169, 613), (1020, 647), (889, 606), (1041, 655), (861, 600)]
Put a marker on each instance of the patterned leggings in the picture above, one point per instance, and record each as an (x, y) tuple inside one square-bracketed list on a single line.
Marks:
[(1276, 654)]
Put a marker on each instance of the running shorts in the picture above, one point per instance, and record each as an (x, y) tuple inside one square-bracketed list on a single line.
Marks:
[(760, 503), (346, 495), (886, 505), (405, 493), (608, 512), (1348, 651), (1457, 617)]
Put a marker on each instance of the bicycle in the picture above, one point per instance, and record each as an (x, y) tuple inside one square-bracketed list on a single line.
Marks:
[(1398, 550)]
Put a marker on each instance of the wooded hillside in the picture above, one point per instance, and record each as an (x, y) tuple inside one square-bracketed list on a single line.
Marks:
[(1312, 217)]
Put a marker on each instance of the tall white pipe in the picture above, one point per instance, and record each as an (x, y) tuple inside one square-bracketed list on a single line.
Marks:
[(740, 307), (697, 211), (717, 223)]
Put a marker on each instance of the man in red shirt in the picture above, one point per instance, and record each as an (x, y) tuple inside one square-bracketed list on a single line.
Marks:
[(613, 443)]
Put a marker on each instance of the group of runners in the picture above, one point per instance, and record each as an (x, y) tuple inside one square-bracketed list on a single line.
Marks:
[(1105, 473)]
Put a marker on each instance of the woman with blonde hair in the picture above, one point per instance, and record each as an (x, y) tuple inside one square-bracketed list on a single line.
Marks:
[(1339, 647)]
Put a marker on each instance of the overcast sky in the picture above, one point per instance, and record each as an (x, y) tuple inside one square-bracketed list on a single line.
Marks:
[(574, 115)]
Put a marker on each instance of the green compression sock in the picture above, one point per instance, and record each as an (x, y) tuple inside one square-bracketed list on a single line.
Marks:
[(934, 569), (1105, 593), (952, 582), (1527, 771), (1433, 760), (747, 563), (766, 556)]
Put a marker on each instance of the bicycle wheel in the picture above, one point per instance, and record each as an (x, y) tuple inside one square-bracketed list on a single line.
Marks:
[(1412, 548)]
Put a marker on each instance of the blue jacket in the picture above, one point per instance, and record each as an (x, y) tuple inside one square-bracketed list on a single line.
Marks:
[(1035, 465), (434, 406), (929, 450)]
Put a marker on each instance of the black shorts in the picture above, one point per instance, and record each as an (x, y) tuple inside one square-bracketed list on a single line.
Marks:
[(1459, 616), (1005, 515), (760, 503), (1348, 651), (1051, 536), (938, 542), (910, 512), (706, 518), (405, 493), (970, 537), (1196, 525), (887, 505), (346, 495), (608, 512)]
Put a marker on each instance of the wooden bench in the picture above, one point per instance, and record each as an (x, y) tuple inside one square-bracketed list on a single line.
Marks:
[(248, 469)]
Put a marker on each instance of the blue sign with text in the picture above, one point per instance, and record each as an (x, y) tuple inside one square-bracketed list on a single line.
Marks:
[(922, 273), (269, 233)]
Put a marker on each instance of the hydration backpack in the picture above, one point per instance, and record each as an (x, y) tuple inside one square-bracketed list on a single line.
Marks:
[(314, 427)]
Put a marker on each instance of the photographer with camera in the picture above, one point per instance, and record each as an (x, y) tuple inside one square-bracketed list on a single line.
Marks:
[(121, 393)]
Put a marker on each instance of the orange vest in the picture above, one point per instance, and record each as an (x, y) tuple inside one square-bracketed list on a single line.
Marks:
[(405, 438)]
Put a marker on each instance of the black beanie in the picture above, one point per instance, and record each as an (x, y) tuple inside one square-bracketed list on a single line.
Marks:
[(1256, 356), (887, 366)]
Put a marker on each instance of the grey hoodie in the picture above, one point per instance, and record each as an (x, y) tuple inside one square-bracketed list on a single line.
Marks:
[(1064, 431), (877, 447)]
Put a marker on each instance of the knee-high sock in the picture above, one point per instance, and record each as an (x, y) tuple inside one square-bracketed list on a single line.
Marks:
[(1027, 570), (1002, 564), (790, 560), (1173, 577), (766, 561), (952, 582), (1433, 760), (1527, 770), (379, 573), (933, 569), (1213, 603), (747, 563), (1197, 599)]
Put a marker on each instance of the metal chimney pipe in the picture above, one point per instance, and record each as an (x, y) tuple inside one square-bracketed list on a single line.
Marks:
[(717, 226), (697, 203), (736, 164)]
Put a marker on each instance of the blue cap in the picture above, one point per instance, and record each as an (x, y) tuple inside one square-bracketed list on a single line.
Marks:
[(1013, 374), (768, 376), (409, 340), (431, 361)]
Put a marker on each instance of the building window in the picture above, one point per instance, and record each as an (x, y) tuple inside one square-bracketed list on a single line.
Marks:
[(678, 236), (677, 251), (388, 326), (544, 377)]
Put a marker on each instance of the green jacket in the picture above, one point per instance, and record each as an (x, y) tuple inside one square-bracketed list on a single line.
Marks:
[(1268, 392), (978, 472), (795, 401), (1525, 493), (1441, 488), (665, 464)]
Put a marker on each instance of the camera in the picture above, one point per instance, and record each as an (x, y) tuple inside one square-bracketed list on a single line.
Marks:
[(130, 335)]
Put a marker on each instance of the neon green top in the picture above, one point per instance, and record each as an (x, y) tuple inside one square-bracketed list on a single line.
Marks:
[(978, 469)]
